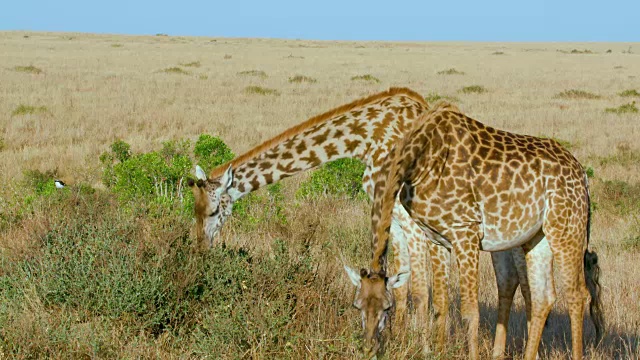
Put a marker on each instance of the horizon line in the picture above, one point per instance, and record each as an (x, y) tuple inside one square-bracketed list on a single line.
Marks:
[(161, 34)]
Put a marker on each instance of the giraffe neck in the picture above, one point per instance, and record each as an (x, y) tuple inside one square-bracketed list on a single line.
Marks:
[(364, 132)]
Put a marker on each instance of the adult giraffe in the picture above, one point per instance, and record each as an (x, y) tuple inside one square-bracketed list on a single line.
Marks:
[(365, 129), (474, 188)]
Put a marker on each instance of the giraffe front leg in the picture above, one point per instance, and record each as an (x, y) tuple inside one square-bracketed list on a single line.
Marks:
[(466, 246), (507, 281), (401, 260), (440, 262), (417, 244)]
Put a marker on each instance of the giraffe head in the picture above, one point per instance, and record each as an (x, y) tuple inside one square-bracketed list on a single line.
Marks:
[(374, 299), (213, 202)]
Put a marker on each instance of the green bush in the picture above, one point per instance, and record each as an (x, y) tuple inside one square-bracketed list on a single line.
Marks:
[(577, 94), (259, 207), (210, 152), (261, 90), (301, 79), (97, 261), (473, 89), (591, 173), (451, 71), (629, 93), (623, 109), (365, 77), (40, 183), (29, 110), (28, 69), (342, 177), (156, 181)]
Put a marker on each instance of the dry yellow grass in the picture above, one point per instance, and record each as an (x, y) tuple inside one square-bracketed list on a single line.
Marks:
[(95, 92)]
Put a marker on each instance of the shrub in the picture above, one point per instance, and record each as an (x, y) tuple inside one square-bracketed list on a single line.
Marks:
[(175, 70), (40, 183), (116, 45), (629, 93), (366, 77), (261, 90), (157, 177), (623, 109), (451, 71), (192, 64), (342, 177), (301, 79), (211, 151), (577, 94), (29, 110), (28, 69), (498, 53), (121, 150), (260, 207), (258, 73), (591, 173), (473, 89), (433, 97)]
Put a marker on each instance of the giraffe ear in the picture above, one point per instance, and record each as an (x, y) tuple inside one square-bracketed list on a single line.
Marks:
[(354, 276), (227, 178), (200, 174), (398, 280)]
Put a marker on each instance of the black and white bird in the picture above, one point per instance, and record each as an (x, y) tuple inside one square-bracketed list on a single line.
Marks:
[(59, 184)]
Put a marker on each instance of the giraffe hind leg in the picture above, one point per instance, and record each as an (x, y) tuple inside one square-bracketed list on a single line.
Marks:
[(539, 268), (507, 280)]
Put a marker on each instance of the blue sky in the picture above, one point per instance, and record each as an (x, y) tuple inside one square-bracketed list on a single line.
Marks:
[(467, 20)]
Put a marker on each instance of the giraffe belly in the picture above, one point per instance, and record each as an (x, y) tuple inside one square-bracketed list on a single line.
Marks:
[(496, 240)]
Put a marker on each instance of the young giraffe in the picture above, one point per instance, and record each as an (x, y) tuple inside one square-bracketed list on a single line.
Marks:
[(364, 129), (477, 188)]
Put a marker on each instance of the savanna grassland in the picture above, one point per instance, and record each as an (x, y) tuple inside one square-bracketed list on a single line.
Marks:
[(97, 270)]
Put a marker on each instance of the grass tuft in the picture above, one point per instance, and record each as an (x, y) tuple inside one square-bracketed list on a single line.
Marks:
[(365, 77), (629, 93), (260, 90), (577, 94), (433, 97), (29, 110), (623, 109), (195, 64), (498, 53), (28, 69), (451, 71), (301, 79), (473, 89), (175, 70), (227, 56), (256, 73), (116, 45)]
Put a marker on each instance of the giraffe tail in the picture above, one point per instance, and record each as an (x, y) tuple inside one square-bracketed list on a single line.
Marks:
[(592, 278)]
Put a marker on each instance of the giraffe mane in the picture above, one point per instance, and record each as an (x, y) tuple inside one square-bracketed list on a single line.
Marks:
[(318, 119)]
